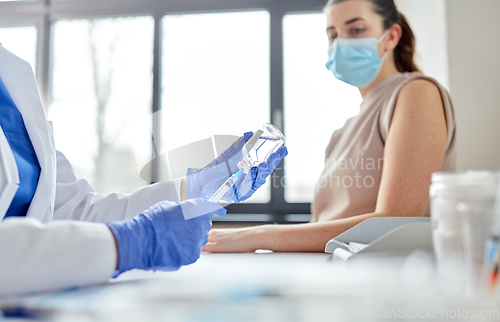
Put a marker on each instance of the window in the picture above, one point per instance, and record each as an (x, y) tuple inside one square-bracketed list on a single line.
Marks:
[(209, 67), (101, 98), (215, 77), (26, 49), (316, 103)]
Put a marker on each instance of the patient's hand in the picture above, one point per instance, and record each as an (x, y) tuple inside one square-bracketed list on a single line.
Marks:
[(238, 240)]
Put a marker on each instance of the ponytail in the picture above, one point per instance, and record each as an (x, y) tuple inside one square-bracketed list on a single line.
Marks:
[(405, 50), (404, 53)]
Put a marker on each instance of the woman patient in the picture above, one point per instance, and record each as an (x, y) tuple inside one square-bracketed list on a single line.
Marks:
[(380, 163)]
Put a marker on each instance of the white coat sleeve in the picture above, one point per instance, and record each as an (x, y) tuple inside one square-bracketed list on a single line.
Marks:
[(42, 257), (77, 200)]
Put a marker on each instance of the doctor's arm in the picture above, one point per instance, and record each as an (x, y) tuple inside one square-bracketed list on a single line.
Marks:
[(42, 257), (414, 149), (76, 199)]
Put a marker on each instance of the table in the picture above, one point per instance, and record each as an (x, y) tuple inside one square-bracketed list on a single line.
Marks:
[(258, 287)]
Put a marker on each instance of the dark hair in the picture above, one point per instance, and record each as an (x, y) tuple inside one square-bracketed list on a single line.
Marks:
[(405, 50)]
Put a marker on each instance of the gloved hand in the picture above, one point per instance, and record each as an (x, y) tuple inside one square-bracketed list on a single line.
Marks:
[(166, 236), (204, 182)]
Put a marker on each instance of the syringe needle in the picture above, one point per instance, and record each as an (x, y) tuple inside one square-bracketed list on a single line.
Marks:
[(225, 187)]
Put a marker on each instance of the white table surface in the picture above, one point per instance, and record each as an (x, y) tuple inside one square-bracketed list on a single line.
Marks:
[(256, 287)]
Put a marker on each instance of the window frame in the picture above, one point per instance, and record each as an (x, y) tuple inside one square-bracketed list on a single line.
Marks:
[(43, 13)]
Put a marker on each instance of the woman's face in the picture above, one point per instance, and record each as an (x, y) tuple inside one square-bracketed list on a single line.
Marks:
[(353, 19)]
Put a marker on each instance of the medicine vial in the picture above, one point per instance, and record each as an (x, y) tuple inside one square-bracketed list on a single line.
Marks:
[(266, 140)]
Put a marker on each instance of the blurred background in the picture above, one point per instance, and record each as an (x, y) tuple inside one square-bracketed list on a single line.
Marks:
[(224, 67)]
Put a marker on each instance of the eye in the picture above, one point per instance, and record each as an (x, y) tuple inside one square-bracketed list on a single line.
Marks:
[(331, 38), (357, 31)]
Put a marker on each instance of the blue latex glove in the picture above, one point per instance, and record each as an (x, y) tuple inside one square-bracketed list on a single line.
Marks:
[(166, 236), (246, 185), (204, 182)]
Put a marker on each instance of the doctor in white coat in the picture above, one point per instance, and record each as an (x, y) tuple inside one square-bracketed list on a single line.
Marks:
[(49, 247)]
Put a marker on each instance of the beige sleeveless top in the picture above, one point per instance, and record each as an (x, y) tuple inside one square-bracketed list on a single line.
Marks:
[(351, 178)]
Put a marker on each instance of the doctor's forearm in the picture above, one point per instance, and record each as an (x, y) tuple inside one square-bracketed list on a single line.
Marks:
[(116, 249), (42, 257)]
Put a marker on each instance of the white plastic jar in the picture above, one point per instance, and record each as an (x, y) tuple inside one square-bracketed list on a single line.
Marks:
[(449, 190)]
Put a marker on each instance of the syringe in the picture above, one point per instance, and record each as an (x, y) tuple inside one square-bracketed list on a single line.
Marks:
[(243, 168), (225, 187), (257, 149)]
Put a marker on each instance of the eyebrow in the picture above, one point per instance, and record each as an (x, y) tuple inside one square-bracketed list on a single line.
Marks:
[(353, 20), (347, 23)]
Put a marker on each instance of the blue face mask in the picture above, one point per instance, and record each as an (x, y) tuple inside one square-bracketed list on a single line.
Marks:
[(355, 61)]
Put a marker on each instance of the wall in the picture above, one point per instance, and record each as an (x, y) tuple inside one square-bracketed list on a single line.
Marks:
[(459, 45), (474, 63), (427, 19)]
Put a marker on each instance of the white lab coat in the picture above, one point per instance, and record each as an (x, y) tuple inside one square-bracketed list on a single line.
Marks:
[(52, 248)]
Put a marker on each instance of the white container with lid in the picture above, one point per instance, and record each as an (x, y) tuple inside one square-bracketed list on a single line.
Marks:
[(477, 220), (476, 189)]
